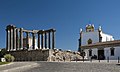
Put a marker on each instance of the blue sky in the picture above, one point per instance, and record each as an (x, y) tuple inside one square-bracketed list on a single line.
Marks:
[(66, 16)]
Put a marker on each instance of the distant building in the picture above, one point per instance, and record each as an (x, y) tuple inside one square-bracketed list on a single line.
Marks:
[(96, 36)]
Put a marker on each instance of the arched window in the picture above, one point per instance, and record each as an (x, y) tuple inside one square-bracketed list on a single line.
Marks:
[(89, 41)]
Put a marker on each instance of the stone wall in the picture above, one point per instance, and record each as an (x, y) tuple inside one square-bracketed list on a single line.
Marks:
[(32, 55), (45, 55)]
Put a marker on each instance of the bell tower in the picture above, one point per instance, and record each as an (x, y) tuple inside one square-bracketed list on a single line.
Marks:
[(89, 28)]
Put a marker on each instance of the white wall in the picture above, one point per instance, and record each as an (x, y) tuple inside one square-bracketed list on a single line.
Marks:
[(106, 37), (94, 36), (108, 53), (89, 35), (86, 53), (94, 52)]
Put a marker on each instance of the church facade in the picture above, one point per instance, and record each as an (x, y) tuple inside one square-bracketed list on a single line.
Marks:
[(97, 36)]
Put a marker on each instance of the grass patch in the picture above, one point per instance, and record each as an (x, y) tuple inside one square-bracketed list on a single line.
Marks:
[(1, 63)]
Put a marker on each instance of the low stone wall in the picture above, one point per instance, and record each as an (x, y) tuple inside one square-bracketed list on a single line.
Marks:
[(32, 55), (45, 55)]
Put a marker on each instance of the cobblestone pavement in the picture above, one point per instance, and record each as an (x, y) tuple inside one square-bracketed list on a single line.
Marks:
[(75, 67), (66, 67)]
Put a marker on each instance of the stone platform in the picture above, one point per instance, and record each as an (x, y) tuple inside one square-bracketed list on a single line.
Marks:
[(44, 55), (32, 55)]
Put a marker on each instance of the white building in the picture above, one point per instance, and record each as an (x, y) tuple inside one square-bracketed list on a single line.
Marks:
[(95, 36)]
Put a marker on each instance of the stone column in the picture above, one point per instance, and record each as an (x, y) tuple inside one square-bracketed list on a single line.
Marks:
[(27, 40), (17, 39), (21, 37), (14, 38), (45, 40), (7, 39), (33, 41), (49, 40), (42, 41), (11, 39), (53, 39), (38, 40)]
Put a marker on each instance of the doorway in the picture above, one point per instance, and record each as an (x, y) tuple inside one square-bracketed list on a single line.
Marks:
[(101, 55)]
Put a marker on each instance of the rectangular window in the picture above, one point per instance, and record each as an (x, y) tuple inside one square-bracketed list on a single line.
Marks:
[(112, 51), (90, 52)]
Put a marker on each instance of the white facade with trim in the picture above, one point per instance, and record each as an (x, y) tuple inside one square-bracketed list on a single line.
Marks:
[(91, 36)]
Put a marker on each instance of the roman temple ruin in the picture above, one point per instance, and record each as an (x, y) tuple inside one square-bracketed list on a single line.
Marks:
[(29, 45), (15, 39)]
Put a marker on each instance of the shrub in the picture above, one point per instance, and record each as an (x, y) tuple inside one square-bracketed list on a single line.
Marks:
[(3, 52), (9, 58)]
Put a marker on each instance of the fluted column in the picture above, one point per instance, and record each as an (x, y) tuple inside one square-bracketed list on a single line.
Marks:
[(42, 41), (45, 40), (33, 41), (21, 37), (14, 38), (7, 39), (49, 40), (38, 40), (27, 40), (17, 39)]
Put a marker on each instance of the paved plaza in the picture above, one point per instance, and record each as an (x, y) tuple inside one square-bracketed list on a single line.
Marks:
[(61, 67)]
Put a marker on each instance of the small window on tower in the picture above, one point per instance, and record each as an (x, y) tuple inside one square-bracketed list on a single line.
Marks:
[(89, 30), (89, 41), (112, 51)]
